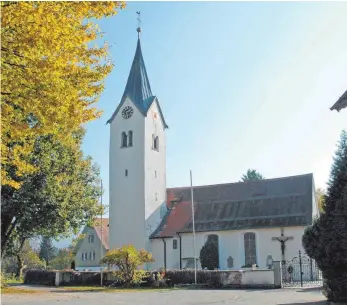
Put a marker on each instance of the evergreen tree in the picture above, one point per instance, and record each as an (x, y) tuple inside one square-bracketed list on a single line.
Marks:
[(209, 256), (326, 239), (47, 250), (252, 175)]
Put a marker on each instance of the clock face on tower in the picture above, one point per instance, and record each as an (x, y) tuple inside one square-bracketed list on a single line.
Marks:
[(127, 112)]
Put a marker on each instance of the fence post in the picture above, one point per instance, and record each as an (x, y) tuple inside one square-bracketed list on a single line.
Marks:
[(277, 269), (311, 267), (300, 262)]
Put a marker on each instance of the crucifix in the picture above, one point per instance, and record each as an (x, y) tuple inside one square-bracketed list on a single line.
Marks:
[(282, 239)]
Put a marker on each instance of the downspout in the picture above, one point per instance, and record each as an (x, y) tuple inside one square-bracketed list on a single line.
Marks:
[(180, 250), (164, 254)]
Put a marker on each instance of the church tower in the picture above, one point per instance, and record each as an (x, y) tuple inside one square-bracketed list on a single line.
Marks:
[(137, 166)]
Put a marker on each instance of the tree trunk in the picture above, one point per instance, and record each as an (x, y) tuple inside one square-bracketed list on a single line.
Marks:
[(20, 265), (19, 272)]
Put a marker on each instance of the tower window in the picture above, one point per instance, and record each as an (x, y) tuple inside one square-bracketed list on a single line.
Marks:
[(126, 173), (155, 174), (124, 139), (130, 135), (174, 244), (156, 196), (155, 143)]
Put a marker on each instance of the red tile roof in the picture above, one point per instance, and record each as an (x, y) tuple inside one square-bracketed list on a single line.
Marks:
[(105, 231), (177, 218)]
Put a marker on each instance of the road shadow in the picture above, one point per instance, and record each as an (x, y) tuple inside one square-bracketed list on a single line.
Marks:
[(307, 303), (310, 289), (75, 291)]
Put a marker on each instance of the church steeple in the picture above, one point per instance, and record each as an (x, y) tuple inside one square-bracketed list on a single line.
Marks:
[(138, 88)]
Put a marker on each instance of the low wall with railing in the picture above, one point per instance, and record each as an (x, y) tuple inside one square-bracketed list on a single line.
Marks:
[(211, 279)]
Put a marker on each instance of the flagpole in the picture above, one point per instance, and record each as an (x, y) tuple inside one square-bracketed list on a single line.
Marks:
[(192, 199), (101, 237)]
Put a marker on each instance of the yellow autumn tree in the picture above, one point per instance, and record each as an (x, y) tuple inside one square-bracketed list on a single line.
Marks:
[(52, 75)]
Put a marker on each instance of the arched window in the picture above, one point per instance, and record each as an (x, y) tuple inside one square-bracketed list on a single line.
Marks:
[(130, 135), (124, 139), (250, 249), (93, 255), (156, 143)]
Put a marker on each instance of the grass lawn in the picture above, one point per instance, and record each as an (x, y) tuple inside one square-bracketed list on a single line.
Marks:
[(107, 289), (17, 290), (22, 290)]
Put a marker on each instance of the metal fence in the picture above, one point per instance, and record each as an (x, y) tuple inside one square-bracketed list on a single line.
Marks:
[(301, 271)]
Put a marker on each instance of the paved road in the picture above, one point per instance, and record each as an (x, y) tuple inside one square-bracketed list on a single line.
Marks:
[(171, 297)]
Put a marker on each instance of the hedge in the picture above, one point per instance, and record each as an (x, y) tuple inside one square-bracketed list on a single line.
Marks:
[(210, 278), (42, 277)]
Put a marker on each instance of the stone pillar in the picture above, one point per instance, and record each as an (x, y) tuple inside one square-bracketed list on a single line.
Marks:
[(58, 277), (277, 268)]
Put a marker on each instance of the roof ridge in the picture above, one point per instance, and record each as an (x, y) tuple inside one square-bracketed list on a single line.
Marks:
[(246, 182)]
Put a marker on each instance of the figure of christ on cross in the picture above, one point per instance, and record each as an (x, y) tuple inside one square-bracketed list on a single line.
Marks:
[(282, 239)]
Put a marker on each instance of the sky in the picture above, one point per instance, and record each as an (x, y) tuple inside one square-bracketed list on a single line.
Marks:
[(241, 85)]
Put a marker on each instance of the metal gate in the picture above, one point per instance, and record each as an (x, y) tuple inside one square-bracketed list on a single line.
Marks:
[(301, 271)]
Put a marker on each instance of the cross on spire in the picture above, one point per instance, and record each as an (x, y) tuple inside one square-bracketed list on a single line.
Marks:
[(138, 23)]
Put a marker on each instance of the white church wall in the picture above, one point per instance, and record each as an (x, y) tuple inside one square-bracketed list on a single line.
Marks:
[(157, 250), (231, 243), (155, 164), (172, 255), (127, 193)]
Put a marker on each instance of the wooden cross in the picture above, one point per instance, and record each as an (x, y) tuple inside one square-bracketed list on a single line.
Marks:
[(282, 239)]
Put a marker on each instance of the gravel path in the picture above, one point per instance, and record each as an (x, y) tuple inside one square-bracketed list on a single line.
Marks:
[(169, 297)]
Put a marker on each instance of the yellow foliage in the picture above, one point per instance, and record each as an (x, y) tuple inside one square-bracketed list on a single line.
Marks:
[(51, 76), (128, 260)]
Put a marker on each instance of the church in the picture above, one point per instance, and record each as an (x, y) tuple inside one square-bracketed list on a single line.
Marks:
[(252, 222)]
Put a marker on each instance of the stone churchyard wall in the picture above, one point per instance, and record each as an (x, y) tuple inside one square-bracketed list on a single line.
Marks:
[(225, 278), (211, 279)]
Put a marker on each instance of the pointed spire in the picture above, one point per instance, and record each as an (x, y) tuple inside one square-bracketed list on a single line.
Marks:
[(138, 88)]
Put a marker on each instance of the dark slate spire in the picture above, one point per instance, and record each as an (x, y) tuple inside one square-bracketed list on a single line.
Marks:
[(138, 88)]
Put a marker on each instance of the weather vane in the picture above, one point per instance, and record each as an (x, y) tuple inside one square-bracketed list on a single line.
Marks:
[(139, 22)]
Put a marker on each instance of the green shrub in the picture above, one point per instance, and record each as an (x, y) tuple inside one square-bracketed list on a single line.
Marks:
[(209, 256), (2, 280), (210, 278), (127, 260)]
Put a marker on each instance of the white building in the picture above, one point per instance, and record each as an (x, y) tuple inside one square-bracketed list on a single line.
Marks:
[(244, 218)]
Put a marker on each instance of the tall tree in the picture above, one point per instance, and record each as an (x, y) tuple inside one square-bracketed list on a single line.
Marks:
[(47, 250), (326, 239), (62, 260), (252, 175), (22, 257), (51, 73), (54, 201), (209, 255), (320, 194)]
